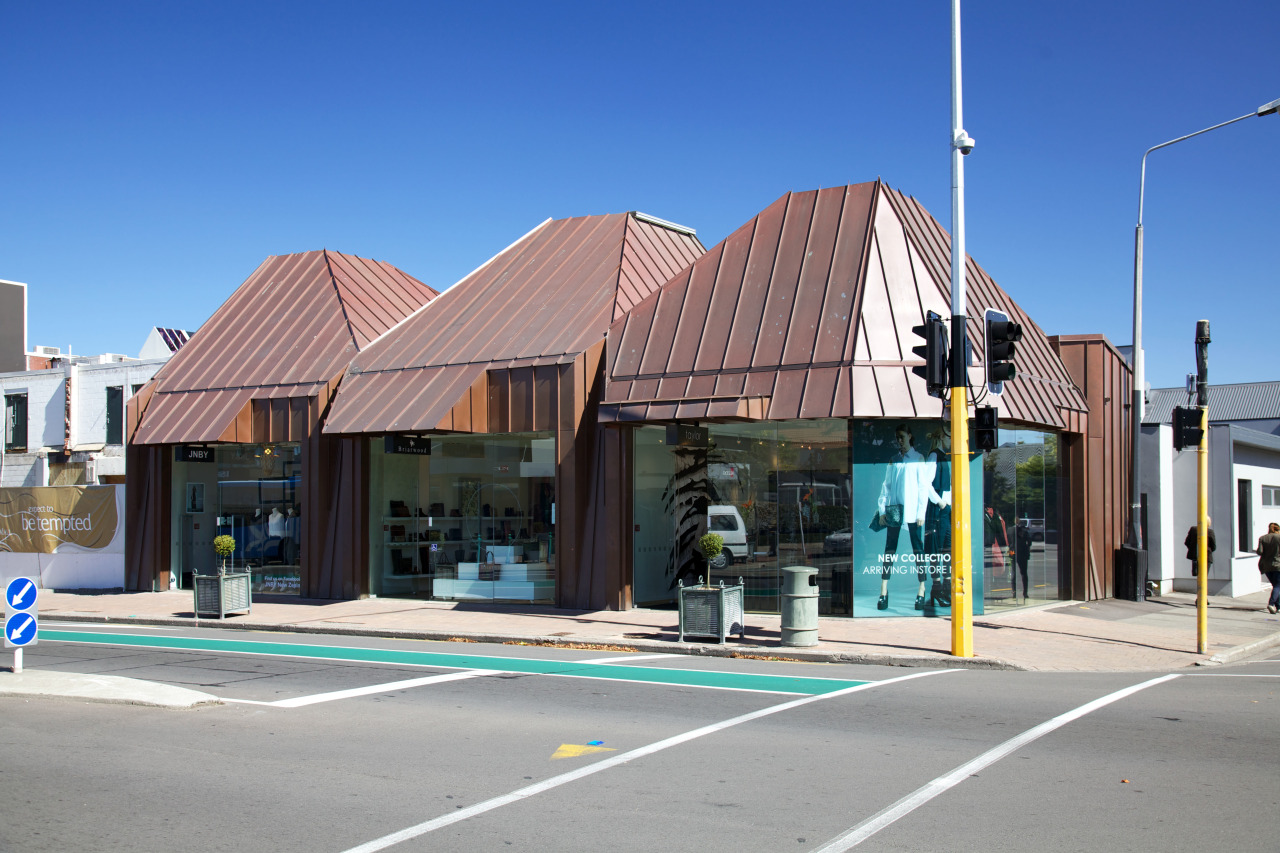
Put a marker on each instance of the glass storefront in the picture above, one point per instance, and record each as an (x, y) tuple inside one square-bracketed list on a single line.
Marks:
[(1020, 519), (248, 492), (463, 517), (865, 502)]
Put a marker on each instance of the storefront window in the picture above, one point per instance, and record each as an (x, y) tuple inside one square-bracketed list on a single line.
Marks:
[(778, 493), (249, 492), (464, 517), (1020, 519), (866, 503)]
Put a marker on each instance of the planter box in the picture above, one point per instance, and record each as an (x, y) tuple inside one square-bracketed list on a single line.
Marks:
[(223, 594), (715, 611)]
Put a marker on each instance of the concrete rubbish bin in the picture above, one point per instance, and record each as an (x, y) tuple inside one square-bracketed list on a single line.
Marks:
[(799, 606)]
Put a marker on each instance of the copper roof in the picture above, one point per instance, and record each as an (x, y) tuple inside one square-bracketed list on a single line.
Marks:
[(544, 300), (288, 331), (806, 312)]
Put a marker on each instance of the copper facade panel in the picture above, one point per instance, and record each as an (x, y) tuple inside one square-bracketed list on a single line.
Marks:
[(775, 322), (750, 295), (697, 292), (713, 303), (812, 288), (866, 394), (834, 342), (819, 400), (666, 319)]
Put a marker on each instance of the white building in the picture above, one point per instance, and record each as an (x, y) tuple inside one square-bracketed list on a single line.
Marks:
[(1243, 487)]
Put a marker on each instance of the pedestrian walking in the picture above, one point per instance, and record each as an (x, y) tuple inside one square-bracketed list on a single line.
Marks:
[(1193, 543), (1268, 551)]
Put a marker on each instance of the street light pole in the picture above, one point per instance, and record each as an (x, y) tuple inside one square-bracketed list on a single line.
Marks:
[(961, 553), (1139, 381)]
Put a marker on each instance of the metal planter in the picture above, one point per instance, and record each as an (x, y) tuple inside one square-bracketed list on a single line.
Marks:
[(712, 611), (222, 594)]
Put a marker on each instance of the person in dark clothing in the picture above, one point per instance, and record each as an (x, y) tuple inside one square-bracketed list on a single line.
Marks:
[(1268, 552), (1022, 555), (1193, 543)]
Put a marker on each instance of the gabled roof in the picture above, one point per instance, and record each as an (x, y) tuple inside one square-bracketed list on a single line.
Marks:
[(288, 331), (544, 300), (806, 311), (1245, 401)]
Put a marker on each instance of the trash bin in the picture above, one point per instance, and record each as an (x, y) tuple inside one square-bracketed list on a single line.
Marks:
[(799, 606)]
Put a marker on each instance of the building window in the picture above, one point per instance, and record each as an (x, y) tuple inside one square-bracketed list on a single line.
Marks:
[(1244, 513), (15, 423), (115, 415), (1271, 495)]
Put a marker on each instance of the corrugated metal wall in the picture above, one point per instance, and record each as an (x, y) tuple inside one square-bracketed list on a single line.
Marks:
[(1096, 463)]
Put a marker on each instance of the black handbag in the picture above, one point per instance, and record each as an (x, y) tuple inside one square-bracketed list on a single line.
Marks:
[(875, 525)]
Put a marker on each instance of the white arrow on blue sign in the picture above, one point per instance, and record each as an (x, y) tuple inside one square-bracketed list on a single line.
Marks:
[(20, 629), (20, 594)]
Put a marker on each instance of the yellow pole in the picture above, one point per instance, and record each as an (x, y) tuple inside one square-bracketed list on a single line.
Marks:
[(961, 601), (1202, 536)]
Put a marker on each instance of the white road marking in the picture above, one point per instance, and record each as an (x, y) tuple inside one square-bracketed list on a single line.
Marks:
[(1234, 674), (614, 761), (913, 801), (317, 698), (625, 658)]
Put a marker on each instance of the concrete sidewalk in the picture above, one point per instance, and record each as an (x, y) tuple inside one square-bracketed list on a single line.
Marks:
[(1112, 635)]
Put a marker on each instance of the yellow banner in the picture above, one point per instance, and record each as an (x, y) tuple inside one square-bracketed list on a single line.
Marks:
[(39, 520)]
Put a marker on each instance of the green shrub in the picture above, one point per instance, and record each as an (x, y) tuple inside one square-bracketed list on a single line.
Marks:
[(711, 544)]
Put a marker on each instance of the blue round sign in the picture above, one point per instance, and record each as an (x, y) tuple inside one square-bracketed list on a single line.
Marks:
[(20, 594), (20, 629)]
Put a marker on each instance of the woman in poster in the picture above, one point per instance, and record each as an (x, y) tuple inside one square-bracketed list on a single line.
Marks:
[(903, 497), (937, 516)]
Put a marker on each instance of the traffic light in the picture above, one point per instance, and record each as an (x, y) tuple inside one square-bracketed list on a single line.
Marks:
[(1186, 427), (934, 351), (987, 428), (1000, 335)]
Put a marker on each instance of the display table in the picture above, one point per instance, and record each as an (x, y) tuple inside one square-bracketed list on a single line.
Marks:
[(503, 581)]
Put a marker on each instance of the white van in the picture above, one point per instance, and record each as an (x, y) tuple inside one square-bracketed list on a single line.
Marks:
[(727, 521)]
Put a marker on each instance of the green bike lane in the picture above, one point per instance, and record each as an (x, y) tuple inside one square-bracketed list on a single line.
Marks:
[(645, 674)]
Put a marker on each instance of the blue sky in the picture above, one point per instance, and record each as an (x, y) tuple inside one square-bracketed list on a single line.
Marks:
[(155, 153)]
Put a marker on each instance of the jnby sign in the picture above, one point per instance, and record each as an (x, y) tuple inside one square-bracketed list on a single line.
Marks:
[(192, 453)]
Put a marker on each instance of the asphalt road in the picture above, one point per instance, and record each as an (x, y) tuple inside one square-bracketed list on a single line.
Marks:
[(352, 744)]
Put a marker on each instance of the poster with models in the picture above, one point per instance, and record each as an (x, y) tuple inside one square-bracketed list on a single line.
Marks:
[(902, 519)]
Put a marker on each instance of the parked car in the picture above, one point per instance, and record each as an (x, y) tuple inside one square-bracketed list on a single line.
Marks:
[(1036, 526), (838, 544), (727, 521)]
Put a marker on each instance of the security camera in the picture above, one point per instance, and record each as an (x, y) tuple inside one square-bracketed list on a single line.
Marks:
[(965, 142)]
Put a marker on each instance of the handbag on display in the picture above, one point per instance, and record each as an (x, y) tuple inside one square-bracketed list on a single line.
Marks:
[(875, 525), (893, 514)]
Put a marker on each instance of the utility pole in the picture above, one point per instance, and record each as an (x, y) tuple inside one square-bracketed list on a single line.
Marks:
[(1202, 490), (961, 587)]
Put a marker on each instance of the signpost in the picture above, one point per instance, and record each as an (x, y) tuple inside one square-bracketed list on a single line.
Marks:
[(22, 619)]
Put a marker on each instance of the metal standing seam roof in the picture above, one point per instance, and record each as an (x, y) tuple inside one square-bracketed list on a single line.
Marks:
[(1246, 401), (544, 300), (286, 332), (805, 312)]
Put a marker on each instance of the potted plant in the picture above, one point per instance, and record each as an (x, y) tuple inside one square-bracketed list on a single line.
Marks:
[(709, 611), (224, 546), (224, 592), (711, 545)]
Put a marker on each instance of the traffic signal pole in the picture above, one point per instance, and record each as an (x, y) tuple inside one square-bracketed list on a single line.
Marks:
[(1202, 489), (961, 587)]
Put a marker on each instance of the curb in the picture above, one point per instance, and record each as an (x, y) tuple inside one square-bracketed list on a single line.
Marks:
[(1234, 654)]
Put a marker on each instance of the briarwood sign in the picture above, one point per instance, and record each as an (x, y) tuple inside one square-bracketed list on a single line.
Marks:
[(43, 520)]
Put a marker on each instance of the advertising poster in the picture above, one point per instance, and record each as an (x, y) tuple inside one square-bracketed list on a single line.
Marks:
[(71, 537), (902, 519)]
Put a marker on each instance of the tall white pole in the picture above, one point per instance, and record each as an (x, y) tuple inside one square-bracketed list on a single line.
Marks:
[(961, 552)]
